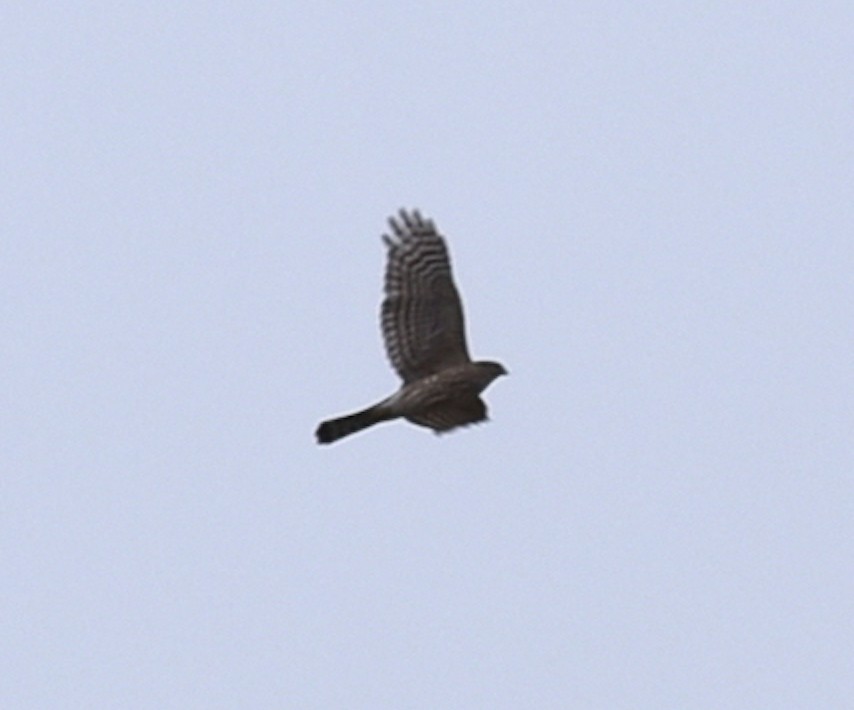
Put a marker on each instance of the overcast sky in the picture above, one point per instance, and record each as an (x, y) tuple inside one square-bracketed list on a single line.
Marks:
[(650, 210)]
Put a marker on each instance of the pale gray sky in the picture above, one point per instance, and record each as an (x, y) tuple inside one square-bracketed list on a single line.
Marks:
[(649, 208)]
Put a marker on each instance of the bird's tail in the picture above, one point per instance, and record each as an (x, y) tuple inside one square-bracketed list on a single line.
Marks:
[(335, 429)]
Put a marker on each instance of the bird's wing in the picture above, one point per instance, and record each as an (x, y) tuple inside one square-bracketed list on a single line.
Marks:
[(422, 316)]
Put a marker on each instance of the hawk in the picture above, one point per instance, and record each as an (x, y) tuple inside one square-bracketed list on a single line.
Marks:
[(424, 334)]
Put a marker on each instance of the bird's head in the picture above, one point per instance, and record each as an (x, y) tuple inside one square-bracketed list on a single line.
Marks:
[(491, 370)]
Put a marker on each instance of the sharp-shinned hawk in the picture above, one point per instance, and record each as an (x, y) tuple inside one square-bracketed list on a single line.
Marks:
[(424, 333)]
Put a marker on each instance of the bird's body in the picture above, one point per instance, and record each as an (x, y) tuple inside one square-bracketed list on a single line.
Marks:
[(423, 329)]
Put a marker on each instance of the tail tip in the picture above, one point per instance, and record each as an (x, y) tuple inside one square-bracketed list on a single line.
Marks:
[(325, 433)]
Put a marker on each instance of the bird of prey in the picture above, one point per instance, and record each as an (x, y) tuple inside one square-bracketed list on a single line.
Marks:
[(424, 334)]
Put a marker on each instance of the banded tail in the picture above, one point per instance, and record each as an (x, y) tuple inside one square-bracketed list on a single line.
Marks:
[(334, 429)]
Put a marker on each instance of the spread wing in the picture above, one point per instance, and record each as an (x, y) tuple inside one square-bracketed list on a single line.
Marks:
[(422, 316)]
